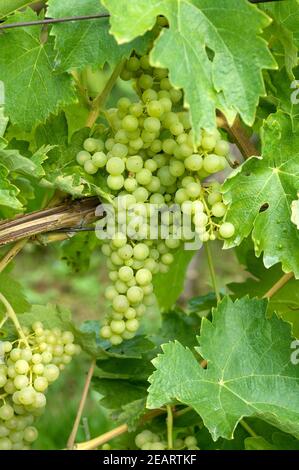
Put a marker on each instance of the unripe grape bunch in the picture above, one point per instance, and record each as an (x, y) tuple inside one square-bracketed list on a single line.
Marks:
[(26, 371), (149, 157), (147, 440)]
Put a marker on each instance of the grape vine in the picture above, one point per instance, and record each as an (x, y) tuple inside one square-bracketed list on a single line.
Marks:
[(149, 244)]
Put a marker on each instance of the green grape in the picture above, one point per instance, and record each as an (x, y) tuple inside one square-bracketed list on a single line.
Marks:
[(21, 381), (140, 251), (218, 209), (211, 163), (90, 168), (222, 148), (115, 182), (99, 159), (145, 81), (92, 145), (136, 109), (132, 325), (40, 384), (194, 162), (106, 332), (5, 443), (135, 295), (126, 74), (83, 157), (123, 103), (149, 95), (141, 194), (165, 84), (175, 95), (30, 434), (208, 143), (151, 165), (130, 184), (115, 166), (155, 108), (226, 230), (193, 190), (15, 354), (144, 177), (176, 168), (129, 123), (176, 128), (125, 252), (144, 62), (190, 441), (133, 64), (118, 326), (143, 277), (181, 196), (130, 313), (120, 303), (6, 412), (134, 164), (115, 340), (126, 273), (21, 367)]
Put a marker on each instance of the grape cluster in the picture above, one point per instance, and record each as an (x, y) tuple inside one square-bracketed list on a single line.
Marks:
[(149, 157), (147, 440), (25, 374)]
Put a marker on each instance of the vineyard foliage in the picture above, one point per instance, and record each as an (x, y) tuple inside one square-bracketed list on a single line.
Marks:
[(185, 103)]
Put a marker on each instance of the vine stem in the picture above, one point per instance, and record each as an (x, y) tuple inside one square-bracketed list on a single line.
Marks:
[(13, 317), (239, 134), (123, 428), (248, 428), (12, 253), (99, 100), (169, 423), (72, 437), (278, 285), (212, 271)]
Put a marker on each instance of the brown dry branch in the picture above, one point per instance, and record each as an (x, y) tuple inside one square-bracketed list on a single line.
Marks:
[(68, 214)]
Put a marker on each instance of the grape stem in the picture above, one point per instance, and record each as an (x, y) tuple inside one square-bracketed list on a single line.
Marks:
[(3, 321), (72, 437), (13, 317), (99, 100), (12, 253), (169, 424), (278, 285), (212, 271), (248, 428)]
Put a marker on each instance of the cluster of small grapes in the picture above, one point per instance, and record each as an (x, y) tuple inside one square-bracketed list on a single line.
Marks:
[(149, 157), (147, 440), (131, 267), (25, 374)]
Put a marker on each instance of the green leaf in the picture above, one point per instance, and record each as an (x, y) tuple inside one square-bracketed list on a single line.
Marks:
[(284, 302), (281, 94), (14, 161), (87, 42), (8, 287), (284, 30), (131, 413), (249, 371), (202, 303), (226, 81), (174, 280), (9, 6), (180, 326), (35, 90), (3, 121), (118, 393), (269, 185), (8, 191), (258, 443)]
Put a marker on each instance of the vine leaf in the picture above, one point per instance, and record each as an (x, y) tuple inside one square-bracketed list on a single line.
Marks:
[(208, 51), (86, 42), (249, 371), (261, 192), (285, 28), (168, 287), (9, 287), (32, 89)]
